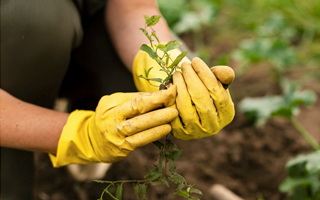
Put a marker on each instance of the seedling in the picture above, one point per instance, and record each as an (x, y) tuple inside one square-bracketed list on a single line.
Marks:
[(259, 110), (169, 151), (304, 177), (160, 52)]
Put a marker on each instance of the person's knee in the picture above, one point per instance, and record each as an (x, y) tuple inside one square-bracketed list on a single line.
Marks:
[(37, 38)]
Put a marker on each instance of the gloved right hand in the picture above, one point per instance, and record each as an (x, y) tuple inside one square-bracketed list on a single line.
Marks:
[(121, 123)]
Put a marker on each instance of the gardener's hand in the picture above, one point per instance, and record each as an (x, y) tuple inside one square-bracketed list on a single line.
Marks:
[(204, 105), (121, 123)]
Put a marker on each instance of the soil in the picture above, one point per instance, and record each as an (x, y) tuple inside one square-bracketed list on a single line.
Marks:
[(248, 161)]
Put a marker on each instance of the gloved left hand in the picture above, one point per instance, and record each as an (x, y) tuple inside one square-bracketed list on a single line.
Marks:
[(204, 105), (121, 123)]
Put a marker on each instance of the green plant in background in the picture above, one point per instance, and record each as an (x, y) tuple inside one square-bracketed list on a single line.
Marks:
[(271, 44), (259, 110), (169, 151), (190, 16), (304, 177), (304, 171)]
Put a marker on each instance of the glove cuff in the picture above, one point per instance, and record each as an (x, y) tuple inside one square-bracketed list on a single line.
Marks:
[(74, 145)]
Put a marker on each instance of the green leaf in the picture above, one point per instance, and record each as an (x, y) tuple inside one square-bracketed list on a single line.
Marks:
[(258, 110), (182, 193), (143, 191), (153, 175), (304, 164), (162, 47), (119, 192), (190, 21), (168, 78), (155, 79), (173, 167), (148, 49), (153, 20), (304, 177), (291, 183), (146, 17), (178, 59), (167, 59), (195, 191), (154, 35), (160, 61), (161, 159), (140, 76), (148, 71), (145, 32), (151, 79), (176, 178), (162, 181), (173, 45), (180, 186), (175, 154), (136, 190), (158, 144), (171, 145), (165, 182)]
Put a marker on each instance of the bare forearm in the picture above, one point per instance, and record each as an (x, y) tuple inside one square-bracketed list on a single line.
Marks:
[(124, 18), (29, 127)]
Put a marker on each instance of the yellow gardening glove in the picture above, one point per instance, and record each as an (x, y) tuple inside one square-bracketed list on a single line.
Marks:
[(142, 62), (204, 105), (121, 123)]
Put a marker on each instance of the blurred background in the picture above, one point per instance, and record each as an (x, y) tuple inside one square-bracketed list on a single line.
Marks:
[(274, 48)]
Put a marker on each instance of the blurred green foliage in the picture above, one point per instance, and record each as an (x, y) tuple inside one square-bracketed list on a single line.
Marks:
[(304, 177), (259, 109), (187, 15), (285, 34)]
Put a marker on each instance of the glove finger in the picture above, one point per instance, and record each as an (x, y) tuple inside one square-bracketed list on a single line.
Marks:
[(200, 97), (145, 137), (147, 121), (187, 111), (205, 74), (224, 74), (146, 103), (220, 96)]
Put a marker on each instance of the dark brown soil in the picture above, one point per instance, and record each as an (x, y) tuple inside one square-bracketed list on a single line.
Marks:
[(248, 161)]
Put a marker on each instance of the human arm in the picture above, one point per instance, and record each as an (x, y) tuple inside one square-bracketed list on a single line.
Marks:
[(121, 123), (123, 20), (29, 127)]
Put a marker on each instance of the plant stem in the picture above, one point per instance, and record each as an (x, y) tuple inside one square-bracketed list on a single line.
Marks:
[(165, 157), (305, 134), (123, 181)]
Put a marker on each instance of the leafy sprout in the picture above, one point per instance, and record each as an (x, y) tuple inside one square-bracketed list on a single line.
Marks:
[(159, 52)]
